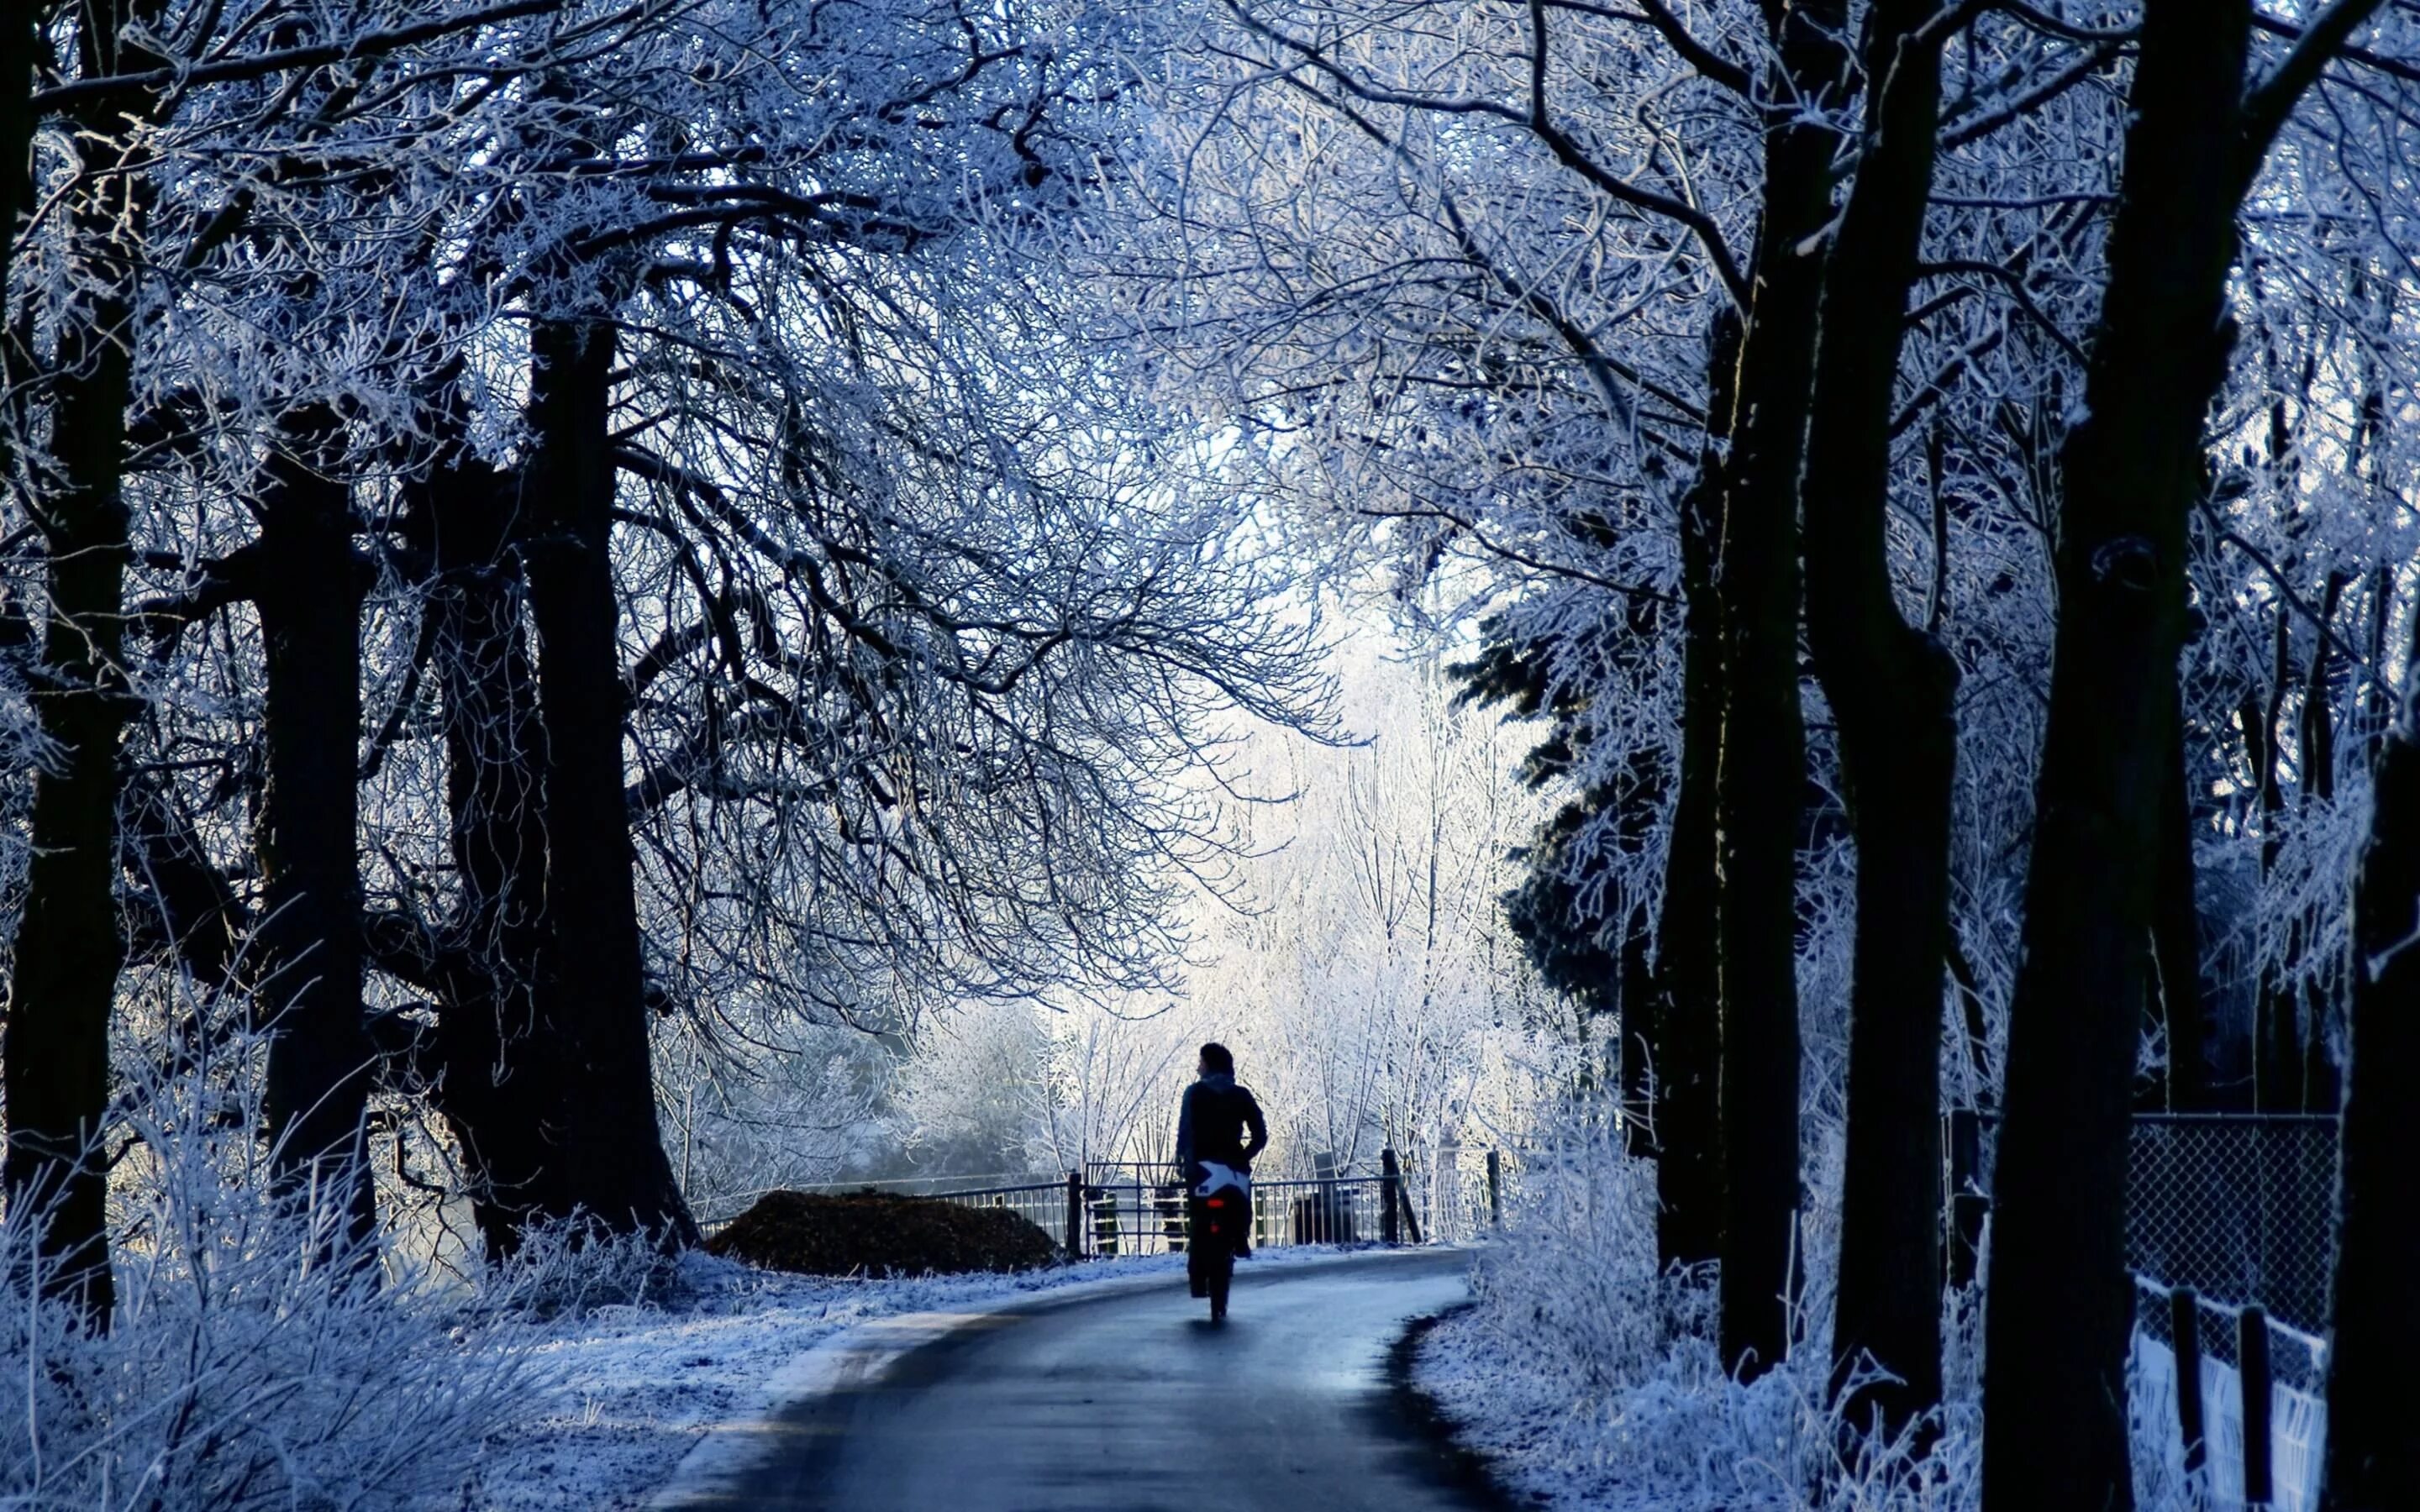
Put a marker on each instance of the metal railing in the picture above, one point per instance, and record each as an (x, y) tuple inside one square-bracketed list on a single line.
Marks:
[(1465, 1197), (1040, 1203), (1133, 1207)]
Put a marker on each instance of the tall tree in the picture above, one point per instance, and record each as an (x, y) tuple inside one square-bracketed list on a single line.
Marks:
[(68, 947), (1688, 1111), (2373, 1456), (2060, 1302), (1892, 691), (1761, 774), (308, 582), (605, 1156), (475, 963)]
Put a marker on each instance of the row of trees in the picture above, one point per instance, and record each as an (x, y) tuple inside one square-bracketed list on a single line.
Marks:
[(530, 518), (2034, 368)]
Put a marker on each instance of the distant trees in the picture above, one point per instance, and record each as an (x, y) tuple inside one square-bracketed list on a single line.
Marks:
[(1361, 971)]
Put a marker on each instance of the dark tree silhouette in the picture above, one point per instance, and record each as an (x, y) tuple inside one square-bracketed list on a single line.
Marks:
[(1892, 690), (2061, 1304)]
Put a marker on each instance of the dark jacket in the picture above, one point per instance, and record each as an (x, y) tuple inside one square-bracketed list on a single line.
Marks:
[(1220, 1122)]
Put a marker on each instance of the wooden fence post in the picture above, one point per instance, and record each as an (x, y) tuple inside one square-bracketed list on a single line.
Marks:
[(1390, 1185), (1495, 1191), (2252, 1370), (2184, 1334), (1074, 1215)]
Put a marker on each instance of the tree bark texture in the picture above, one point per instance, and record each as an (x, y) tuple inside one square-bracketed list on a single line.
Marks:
[(309, 590), (2060, 1302), (605, 1156), (2373, 1451), (1892, 688), (1688, 1111), (1760, 778)]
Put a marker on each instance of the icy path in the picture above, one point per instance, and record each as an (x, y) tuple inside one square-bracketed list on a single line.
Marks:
[(1124, 1400)]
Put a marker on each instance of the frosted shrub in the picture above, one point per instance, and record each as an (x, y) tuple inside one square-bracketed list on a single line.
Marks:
[(1597, 1381), (572, 1268), (243, 1368)]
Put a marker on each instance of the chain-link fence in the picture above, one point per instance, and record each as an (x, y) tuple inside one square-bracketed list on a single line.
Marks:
[(2240, 1207)]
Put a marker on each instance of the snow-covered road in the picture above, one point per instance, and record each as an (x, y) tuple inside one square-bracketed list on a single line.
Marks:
[(1127, 1401)]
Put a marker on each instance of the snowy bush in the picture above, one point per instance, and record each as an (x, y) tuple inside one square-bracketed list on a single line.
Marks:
[(251, 1361), (1597, 1379), (572, 1268)]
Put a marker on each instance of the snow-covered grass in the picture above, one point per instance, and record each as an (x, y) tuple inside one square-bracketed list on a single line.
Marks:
[(256, 1360), (633, 1387), (253, 1359), (1593, 1383)]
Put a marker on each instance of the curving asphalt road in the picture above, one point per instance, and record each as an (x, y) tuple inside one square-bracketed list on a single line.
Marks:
[(1132, 1402)]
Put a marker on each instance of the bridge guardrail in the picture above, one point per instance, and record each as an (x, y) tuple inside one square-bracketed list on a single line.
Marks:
[(1139, 1209), (1133, 1207)]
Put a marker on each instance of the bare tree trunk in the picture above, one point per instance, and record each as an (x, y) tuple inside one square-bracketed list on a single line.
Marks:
[(308, 588), (488, 1089), (2373, 1453), (605, 1154), (68, 949), (1892, 690), (1688, 1112), (1761, 775), (2277, 1042), (2061, 1305), (55, 1060), (2322, 1087)]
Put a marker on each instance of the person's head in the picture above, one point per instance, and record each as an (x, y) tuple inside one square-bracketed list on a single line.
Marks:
[(1216, 1060)]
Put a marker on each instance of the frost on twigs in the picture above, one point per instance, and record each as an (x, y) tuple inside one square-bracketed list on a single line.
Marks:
[(251, 1363), (571, 1267)]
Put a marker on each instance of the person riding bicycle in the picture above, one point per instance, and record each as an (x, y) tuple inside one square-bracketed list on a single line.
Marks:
[(1219, 1131)]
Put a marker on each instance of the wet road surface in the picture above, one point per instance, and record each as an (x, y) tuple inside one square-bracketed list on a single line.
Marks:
[(1133, 1402)]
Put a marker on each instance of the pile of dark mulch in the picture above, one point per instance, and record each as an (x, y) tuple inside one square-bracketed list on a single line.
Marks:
[(878, 1233)]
